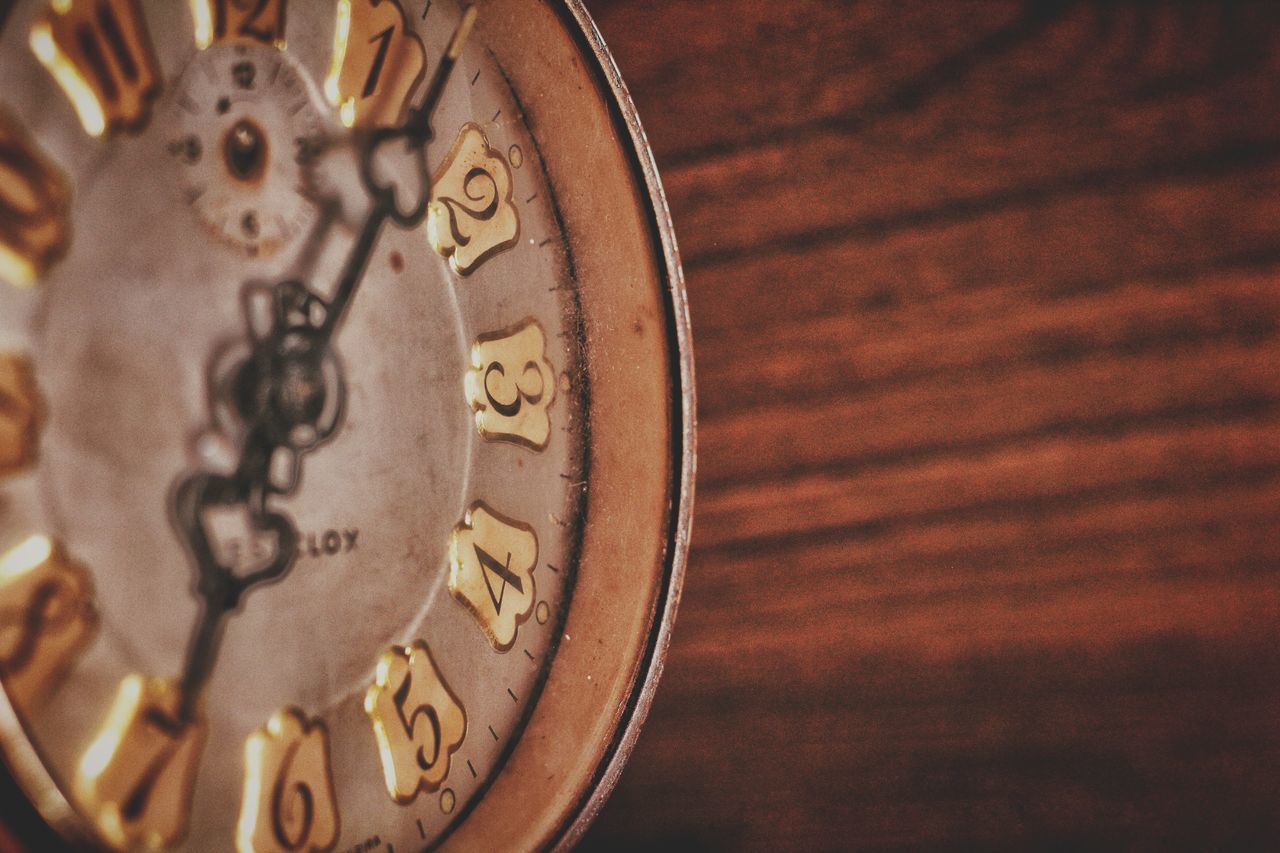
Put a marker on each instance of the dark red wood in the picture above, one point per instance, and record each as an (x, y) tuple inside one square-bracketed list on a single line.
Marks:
[(986, 313)]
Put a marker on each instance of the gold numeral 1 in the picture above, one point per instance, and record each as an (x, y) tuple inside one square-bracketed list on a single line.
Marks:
[(289, 803), (251, 20), (418, 721), (136, 778), (491, 562), (46, 619), (99, 51), (472, 216), (377, 62), (21, 413), (511, 386), (34, 205)]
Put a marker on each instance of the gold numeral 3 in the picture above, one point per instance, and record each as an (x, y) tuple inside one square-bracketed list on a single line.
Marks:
[(418, 721), (511, 386)]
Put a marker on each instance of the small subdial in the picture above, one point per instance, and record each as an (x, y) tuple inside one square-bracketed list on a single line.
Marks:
[(246, 129)]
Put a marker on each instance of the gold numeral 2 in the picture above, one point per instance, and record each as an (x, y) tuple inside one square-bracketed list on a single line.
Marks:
[(491, 562), (472, 216), (511, 386), (99, 51), (46, 618), (289, 803), (418, 721), (135, 779), (377, 62)]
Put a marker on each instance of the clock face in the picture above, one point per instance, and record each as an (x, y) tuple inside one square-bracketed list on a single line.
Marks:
[(298, 433)]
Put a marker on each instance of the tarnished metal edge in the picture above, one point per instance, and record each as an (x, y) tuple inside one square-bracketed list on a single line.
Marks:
[(684, 440)]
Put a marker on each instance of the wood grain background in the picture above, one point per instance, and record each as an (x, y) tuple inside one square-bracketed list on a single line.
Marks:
[(986, 319)]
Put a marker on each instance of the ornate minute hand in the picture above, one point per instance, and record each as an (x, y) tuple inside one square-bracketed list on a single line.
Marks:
[(289, 395)]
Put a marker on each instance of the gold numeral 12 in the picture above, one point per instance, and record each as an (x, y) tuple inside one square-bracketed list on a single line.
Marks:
[(417, 719)]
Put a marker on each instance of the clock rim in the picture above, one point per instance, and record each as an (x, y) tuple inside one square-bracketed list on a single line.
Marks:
[(48, 804)]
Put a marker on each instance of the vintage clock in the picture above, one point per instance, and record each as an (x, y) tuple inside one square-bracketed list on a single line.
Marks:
[(346, 424)]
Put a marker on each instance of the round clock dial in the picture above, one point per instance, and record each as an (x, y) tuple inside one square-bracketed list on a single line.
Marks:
[(346, 425)]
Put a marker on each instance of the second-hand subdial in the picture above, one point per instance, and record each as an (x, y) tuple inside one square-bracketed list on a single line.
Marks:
[(246, 124)]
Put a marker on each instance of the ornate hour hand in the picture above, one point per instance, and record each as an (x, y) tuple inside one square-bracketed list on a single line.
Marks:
[(279, 398), (288, 392)]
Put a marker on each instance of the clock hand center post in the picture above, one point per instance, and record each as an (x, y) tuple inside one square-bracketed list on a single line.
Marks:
[(280, 392)]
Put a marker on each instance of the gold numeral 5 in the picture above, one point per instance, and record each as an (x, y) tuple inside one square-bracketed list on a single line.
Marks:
[(418, 721), (491, 562), (289, 803), (135, 779), (33, 208), (46, 619), (377, 62), (511, 385), (99, 51), (472, 216)]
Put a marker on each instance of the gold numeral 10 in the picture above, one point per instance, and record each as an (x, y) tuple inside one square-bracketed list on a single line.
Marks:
[(100, 53), (418, 721), (289, 803), (377, 62), (491, 562)]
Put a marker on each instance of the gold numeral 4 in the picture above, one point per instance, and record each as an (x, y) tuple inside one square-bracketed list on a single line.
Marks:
[(377, 62), (21, 413), (511, 386), (135, 779), (418, 721), (34, 205), (250, 20), (99, 51), (472, 216), (491, 562), (46, 619), (289, 803)]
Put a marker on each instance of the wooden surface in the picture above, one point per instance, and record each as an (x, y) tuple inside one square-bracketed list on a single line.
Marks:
[(985, 302)]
